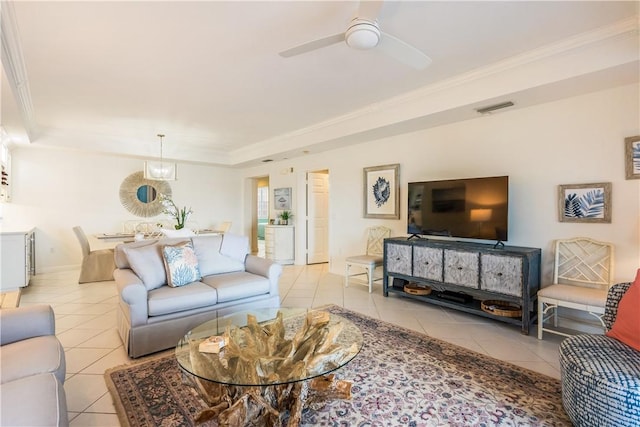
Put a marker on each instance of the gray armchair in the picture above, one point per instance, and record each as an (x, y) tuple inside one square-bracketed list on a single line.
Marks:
[(33, 368), (98, 265), (601, 375)]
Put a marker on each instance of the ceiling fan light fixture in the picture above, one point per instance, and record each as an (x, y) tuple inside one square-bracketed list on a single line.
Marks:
[(362, 34)]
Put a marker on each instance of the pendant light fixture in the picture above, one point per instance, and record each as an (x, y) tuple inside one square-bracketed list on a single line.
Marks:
[(160, 171)]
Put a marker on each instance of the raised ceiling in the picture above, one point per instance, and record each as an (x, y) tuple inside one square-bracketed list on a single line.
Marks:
[(108, 76)]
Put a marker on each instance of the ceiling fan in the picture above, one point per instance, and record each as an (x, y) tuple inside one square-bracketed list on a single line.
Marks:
[(364, 33)]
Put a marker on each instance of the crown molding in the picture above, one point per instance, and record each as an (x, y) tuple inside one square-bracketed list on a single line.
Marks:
[(624, 28), (14, 67)]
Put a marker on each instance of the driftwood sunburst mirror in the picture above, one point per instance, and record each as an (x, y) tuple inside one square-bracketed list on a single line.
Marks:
[(140, 196)]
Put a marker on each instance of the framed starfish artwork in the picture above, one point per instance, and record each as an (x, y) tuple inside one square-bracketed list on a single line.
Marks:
[(382, 192)]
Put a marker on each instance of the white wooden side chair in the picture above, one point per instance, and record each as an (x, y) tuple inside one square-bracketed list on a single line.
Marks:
[(582, 275), (129, 226), (372, 259), (97, 265)]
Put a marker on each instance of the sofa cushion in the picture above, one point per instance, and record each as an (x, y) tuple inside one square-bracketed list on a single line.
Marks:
[(120, 256), (120, 251), (626, 327), (235, 246), (237, 285), (39, 355), (38, 400), (167, 300), (146, 262), (210, 260), (181, 264)]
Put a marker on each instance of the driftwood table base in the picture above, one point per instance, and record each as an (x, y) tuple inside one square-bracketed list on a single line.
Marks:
[(237, 406), (263, 374)]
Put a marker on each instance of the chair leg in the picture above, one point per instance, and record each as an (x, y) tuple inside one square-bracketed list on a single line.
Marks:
[(346, 276), (540, 317), (370, 274)]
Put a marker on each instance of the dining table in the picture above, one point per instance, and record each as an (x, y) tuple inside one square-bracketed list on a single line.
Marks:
[(130, 237)]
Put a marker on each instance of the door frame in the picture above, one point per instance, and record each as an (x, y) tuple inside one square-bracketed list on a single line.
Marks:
[(306, 211)]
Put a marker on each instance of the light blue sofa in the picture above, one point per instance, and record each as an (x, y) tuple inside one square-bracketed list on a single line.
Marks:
[(32, 369), (153, 316), (601, 375)]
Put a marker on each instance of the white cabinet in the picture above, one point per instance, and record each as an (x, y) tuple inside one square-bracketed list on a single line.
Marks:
[(17, 252), (279, 243)]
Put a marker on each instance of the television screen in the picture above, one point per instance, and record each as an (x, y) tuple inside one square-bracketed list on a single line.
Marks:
[(474, 208)]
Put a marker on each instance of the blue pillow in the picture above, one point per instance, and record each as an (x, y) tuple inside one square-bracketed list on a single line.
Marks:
[(181, 264)]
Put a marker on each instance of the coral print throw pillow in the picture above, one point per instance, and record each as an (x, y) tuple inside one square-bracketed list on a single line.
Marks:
[(626, 327), (181, 264)]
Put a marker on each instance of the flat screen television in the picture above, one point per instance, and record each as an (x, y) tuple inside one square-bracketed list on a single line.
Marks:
[(474, 208)]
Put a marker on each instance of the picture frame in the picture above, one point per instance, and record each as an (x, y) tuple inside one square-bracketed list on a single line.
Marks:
[(282, 198), (381, 192), (632, 157), (587, 203)]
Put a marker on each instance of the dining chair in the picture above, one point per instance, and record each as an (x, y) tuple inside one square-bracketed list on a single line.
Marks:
[(98, 265), (372, 259), (129, 226), (582, 276)]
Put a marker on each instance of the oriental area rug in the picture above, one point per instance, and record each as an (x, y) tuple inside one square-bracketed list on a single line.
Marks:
[(400, 378)]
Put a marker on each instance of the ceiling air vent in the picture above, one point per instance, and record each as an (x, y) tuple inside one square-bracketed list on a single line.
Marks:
[(492, 108)]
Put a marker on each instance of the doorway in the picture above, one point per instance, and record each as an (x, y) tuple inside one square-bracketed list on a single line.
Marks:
[(260, 214), (318, 217)]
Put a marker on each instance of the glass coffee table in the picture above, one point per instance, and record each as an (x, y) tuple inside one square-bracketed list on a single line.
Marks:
[(270, 364)]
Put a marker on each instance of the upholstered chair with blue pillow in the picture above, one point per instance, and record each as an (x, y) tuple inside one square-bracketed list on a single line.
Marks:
[(600, 373)]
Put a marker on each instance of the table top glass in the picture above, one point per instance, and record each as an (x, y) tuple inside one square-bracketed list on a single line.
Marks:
[(270, 346)]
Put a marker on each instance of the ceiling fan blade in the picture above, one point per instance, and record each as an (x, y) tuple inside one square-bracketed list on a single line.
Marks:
[(403, 52), (313, 45), (369, 9)]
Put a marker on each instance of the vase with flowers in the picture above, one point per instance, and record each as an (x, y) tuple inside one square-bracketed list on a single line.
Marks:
[(171, 210)]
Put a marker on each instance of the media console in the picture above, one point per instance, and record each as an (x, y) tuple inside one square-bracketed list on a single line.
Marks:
[(463, 274)]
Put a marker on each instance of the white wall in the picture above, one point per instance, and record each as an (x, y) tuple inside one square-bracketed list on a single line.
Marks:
[(575, 140), (55, 190)]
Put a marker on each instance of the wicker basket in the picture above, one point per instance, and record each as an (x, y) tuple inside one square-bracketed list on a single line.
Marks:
[(501, 308), (413, 289)]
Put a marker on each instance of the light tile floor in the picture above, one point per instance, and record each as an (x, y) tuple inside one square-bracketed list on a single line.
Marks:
[(86, 326)]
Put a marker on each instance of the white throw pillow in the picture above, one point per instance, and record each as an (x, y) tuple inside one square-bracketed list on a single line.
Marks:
[(210, 260), (147, 263), (235, 246)]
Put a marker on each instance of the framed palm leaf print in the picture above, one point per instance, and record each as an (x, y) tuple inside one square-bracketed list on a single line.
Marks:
[(585, 202), (632, 157)]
